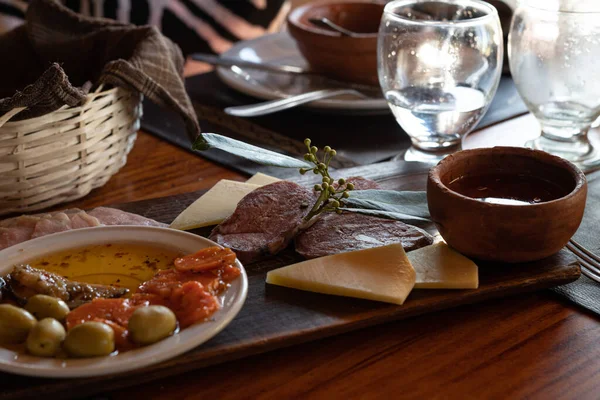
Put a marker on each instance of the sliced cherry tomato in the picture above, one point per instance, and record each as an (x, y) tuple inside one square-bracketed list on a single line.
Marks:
[(206, 259), (122, 342), (230, 273), (116, 310), (191, 304)]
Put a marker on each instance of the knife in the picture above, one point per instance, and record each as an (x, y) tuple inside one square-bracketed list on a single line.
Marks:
[(232, 61), (372, 90)]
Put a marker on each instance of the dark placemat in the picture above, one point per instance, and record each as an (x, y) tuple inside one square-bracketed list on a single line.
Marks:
[(274, 317), (584, 291), (360, 140)]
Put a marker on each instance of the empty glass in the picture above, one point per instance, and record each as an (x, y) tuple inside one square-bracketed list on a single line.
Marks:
[(439, 65), (554, 48)]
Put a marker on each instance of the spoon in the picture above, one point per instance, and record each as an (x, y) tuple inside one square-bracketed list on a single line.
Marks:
[(326, 23)]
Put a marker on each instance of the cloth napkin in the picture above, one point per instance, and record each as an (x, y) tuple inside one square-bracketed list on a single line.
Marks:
[(57, 56), (585, 292)]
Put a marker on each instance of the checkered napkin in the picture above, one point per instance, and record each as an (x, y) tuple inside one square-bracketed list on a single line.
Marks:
[(57, 56)]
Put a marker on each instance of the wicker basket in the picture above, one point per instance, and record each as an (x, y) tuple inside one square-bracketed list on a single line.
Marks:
[(62, 156)]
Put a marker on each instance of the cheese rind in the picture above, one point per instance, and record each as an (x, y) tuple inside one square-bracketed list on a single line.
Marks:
[(440, 267), (213, 206), (262, 179), (381, 274)]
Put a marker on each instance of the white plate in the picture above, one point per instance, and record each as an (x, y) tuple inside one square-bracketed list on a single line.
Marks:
[(187, 339), (280, 48)]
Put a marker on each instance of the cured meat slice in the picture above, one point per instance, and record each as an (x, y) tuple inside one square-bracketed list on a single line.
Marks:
[(58, 222), (264, 221), (112, 216), (339, 233), (82, 219), (17, 230), (20, 229), (63, 221)]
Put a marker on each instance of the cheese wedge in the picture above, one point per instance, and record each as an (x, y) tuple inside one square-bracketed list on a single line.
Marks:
[(440, 267), (213, 206), (381, 274), (262, 179)]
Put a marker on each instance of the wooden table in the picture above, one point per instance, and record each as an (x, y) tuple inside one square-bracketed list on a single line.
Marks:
[(528, 346)]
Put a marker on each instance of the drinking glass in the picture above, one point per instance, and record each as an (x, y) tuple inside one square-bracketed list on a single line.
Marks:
[(554, 48), (439, 65)]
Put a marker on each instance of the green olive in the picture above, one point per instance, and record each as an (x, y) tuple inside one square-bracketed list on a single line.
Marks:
[(15, 324), (150, 324), (45, 338), (90, 339), (42, 306)]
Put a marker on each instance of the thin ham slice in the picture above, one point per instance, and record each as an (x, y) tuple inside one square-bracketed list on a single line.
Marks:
[(112, 216), (83, 220), (58, 222), (64, 221), (16, 230), (20, 229)]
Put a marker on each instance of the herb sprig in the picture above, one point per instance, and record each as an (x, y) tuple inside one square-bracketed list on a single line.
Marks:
[(331, 193), (393, 204)]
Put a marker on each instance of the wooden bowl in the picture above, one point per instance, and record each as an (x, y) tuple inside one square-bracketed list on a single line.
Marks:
[(346, 58), (502, 232)]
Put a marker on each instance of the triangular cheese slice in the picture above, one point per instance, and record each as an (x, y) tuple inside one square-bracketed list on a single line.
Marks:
[(213, 206), (440, 267), (381, 274), (262, 179)]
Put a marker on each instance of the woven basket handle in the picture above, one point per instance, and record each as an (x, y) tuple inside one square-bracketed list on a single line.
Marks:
[(6, 117)]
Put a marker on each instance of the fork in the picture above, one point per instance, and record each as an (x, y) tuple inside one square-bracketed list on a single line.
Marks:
[(590, 263), (272, 106)]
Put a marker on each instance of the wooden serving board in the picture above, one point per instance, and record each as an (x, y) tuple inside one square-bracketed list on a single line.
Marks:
[(275, 317)]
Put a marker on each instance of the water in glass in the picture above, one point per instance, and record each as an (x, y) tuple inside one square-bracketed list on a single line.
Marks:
[(439, 66)]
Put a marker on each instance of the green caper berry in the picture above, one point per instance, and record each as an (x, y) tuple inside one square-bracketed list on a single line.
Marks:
[(322, 166), (307, 156), (307, 142), (303, 171), (333, 152), (314, 149), (326, 179), (326, 149), (331, 189), (335, 203), (350, 186), (345, 195), (316, 171), (341, 181), (318, 188), (338, 211), (325, 185), (313, 158)]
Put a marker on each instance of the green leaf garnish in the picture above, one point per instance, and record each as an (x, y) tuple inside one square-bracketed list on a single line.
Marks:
[(334, 195), (253, 153), (409, 203), (387, 214)]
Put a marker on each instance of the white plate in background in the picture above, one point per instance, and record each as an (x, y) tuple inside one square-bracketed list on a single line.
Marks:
[(280, 48)]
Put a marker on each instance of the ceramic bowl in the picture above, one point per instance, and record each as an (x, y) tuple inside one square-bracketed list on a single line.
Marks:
[(346, 58), (503, 232), (187, 339)]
